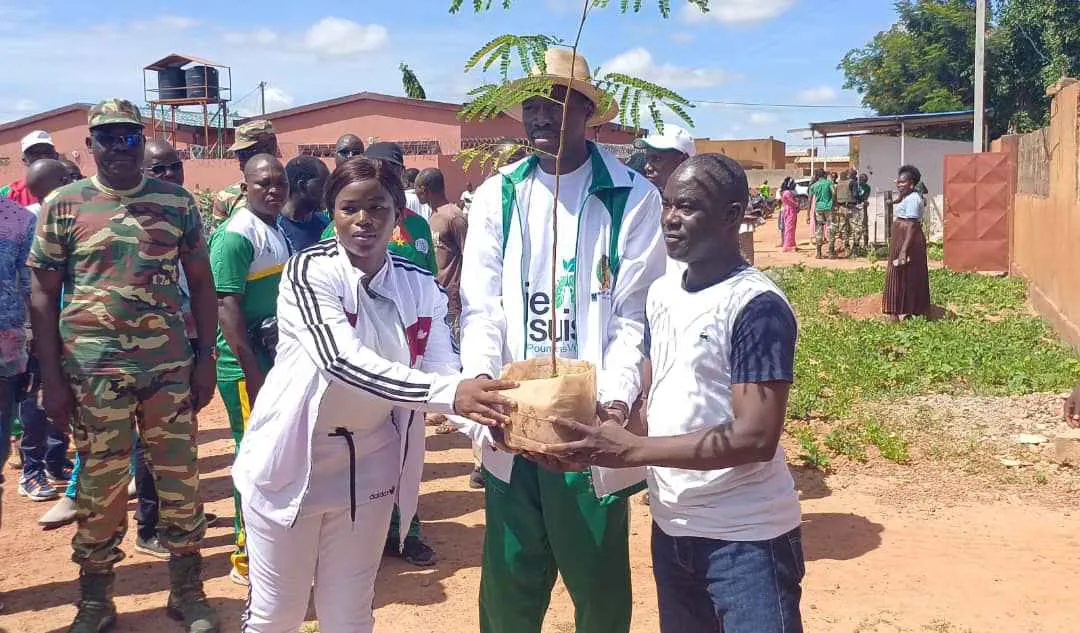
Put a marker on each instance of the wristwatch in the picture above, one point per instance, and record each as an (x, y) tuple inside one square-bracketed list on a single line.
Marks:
[(622, 408)]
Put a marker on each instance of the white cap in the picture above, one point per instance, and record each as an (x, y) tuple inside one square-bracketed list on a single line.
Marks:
[(674, 137), (37, 137)]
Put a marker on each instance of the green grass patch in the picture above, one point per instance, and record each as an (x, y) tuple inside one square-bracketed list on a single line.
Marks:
[(935, 251), (991, 347), (811, 454)]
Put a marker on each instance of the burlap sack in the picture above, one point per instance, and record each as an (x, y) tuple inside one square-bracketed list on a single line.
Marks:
[(539, 398)]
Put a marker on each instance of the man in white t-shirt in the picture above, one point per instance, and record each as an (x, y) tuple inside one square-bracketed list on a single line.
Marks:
[(541, 524), (727, 550)]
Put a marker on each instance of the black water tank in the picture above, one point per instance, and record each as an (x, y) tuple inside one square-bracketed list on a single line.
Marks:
[(202, 83), (172, 83)]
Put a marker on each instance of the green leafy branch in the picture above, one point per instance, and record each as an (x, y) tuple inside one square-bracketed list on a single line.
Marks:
[(492, 156), (528, 50), (631, 92)]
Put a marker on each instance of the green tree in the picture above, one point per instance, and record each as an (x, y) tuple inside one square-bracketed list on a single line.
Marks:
[(926, 61), (1036, 43), (411, 83), (923, 63)]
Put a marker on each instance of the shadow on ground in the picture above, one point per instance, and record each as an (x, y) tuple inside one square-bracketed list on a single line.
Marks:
[(838, 536)]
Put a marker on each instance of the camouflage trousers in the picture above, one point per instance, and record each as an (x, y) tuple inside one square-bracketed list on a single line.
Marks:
[(843, 216), (107, 408), (825, 220), (859, 237)]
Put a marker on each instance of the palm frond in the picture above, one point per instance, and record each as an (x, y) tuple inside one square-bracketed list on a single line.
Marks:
[(491, 100), (411, 83)]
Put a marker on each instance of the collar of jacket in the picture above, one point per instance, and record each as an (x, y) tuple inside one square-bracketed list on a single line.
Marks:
[(607, 171)]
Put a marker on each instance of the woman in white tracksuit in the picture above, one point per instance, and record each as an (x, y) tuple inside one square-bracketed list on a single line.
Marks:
[(333, 439)]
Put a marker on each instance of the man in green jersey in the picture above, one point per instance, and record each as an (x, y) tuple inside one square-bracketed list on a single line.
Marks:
[(823, 201), (247, 254), (252, 138)]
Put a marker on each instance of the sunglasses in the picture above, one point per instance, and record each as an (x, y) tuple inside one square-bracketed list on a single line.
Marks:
[(350, 153), (161, 170), (106, 139)]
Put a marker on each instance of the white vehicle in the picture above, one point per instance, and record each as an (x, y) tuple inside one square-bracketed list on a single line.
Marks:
[(802, 192)]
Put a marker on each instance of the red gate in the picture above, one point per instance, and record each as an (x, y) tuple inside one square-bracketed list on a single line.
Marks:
[(979, 191)]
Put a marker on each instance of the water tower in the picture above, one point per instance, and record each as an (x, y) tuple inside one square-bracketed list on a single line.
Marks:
[(180, 81)]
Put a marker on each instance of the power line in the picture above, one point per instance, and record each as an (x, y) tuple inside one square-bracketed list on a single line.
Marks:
[(750, 104)]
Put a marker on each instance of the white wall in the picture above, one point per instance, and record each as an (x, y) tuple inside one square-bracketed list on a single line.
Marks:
[(879, 156)]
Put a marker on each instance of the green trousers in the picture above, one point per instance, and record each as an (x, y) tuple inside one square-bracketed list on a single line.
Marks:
[(234, 397), (543, 524)]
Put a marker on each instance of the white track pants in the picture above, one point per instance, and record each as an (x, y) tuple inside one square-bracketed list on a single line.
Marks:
[(341, 557)]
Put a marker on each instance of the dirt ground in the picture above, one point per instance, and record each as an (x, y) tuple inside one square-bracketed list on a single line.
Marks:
[(889, 548)]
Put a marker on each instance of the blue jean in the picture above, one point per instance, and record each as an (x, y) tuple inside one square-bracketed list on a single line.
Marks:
[(43, 446), (713, 586)]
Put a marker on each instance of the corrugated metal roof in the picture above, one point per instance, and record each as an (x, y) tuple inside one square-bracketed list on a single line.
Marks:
[(176, 59), (184, 117)]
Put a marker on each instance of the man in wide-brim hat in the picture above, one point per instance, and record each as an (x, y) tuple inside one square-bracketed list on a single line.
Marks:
[(544, 518)]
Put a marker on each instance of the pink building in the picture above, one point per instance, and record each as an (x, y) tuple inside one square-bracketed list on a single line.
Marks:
[(429, 132)]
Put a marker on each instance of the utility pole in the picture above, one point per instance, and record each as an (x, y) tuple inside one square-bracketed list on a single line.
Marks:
[(980, 75), (262, 96)]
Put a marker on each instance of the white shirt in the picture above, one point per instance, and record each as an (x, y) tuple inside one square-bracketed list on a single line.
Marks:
[(691, 354), (536, 233), (412, 202)]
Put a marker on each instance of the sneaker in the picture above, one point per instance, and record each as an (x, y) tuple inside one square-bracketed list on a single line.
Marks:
[(211, 519), (239, 578), (37, 488), (417, 552), (63, 513), (58, 479), (131, 490), (152, 547), (476, 479)]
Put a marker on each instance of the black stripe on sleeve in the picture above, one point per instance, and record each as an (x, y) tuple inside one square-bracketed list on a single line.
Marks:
[(763, 341)]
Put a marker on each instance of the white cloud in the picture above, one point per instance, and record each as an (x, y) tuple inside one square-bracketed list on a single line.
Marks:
[(11, 109), (682, 37), (762, 118), (736, 11), (261, 37), (336, 37), (276, 99), (639, 62), (817, 95)]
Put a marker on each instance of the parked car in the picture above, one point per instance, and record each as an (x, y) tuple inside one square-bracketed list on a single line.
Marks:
[(802, 193)]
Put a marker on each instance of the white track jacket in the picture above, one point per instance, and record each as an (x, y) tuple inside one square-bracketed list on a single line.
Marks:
[(318, 348), (619, 254)]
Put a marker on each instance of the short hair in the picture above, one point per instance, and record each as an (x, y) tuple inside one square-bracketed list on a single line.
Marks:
[(723, 173), (913, 173), (432, 179), (410, 176), (303, 168), (788, 184), (360, 169)]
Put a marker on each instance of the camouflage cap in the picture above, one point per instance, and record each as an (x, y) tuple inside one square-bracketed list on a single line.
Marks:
[(112, 111), (250, 133)]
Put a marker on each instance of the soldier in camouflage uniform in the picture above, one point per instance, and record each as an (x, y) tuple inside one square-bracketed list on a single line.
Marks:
[(253, 137), (118, 354)]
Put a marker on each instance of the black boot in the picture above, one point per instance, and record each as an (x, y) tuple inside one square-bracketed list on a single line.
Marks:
[(97, 613), (187, 601)]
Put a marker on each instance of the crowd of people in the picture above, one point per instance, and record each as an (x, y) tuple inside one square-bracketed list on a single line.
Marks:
[(334, 311)]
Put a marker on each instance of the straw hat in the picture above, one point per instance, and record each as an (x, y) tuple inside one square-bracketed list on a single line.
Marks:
[(559, 61)]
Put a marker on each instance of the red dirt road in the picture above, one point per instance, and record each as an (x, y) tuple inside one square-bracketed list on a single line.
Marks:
[(873, 563)]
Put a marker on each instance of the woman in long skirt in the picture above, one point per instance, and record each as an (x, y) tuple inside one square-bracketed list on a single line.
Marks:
[(907, 281), (789, 214)]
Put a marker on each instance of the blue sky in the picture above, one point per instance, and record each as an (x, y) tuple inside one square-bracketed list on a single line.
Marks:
[(758, 51)]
